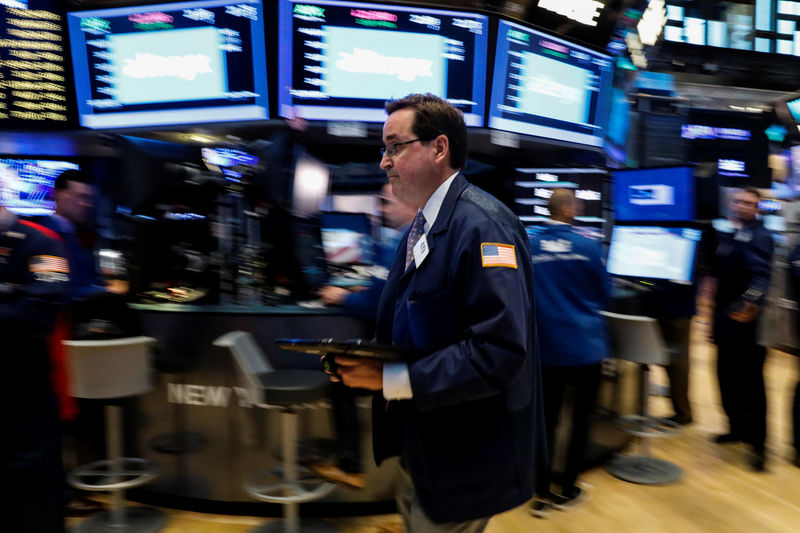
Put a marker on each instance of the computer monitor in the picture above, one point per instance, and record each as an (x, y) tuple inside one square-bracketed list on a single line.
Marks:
[(26, 185), (182, 63), (343, 60), (653, 252), (347, 239), (534, 186), (654, 194), (549, 87)]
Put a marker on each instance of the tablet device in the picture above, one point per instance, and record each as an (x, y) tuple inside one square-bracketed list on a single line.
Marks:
[(349, 347)]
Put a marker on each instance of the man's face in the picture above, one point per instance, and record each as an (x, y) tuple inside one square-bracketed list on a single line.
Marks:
[(745, 206), (75, 202), (409, 169)]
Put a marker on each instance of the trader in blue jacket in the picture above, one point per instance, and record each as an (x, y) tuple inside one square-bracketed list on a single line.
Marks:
[(742, 268), (572, 287), (34, 277), (463, 413)]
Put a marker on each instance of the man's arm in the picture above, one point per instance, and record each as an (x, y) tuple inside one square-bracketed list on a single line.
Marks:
[(759, 262), (492, 308)]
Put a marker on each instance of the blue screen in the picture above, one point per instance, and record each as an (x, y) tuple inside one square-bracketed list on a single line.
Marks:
[(344, 60), (181, 63), (653, 252), (654, 194), (794, 108), (26, 185), (549, 87)]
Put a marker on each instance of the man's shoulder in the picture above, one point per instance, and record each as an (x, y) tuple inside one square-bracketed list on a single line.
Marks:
[(478, 203), (34, 229)]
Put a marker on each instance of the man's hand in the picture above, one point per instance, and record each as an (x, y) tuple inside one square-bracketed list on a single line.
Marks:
[(333, 295), (747, 313), (360, 372)]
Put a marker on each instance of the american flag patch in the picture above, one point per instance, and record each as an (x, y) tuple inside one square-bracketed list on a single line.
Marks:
[(48, 263), (498, 255)]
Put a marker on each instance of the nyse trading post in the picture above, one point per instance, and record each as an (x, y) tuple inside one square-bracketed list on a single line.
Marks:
[(343, 60), (170, 64)]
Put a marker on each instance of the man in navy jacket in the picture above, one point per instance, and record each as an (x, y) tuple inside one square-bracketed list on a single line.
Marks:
[(742, 268), (34, 276), (572, 287), (463, 414)]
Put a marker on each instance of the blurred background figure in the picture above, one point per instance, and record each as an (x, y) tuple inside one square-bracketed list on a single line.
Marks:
[(742, 269), (34, 277), (572, 287), (362, 303)]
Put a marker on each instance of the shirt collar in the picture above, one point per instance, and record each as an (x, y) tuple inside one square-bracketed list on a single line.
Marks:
[(434, 203)]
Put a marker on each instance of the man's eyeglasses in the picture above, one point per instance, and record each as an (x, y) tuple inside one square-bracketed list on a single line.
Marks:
[(391, 149)]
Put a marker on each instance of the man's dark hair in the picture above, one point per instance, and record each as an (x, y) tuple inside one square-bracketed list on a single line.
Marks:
[(434, 116), (63, 179)]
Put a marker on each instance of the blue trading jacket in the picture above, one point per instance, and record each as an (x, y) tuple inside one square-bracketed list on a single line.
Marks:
[(34, 277), (742, 268), (468, 436), (572, 287)]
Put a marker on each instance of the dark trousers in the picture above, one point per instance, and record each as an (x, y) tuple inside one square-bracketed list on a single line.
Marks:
[(585, 380), (740, 370), (796, 417), (347, 426), (675, 332), (31, 484)]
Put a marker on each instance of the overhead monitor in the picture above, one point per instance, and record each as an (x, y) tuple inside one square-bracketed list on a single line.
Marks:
[(169, 64), (534, 186), (344, 60), (35, 87), (549, 87), (26, 185), (652, 252), (659, 194)]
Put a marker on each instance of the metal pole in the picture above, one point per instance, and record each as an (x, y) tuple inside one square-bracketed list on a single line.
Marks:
[(291, 511), (114, 453)]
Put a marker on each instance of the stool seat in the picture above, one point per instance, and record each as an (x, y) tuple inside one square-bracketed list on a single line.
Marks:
[(288, 387)]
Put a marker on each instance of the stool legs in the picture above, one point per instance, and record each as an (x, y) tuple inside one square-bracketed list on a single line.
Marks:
[(117, 473), (290, 491)]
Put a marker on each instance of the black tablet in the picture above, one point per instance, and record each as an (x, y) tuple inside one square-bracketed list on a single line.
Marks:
[(351, 347)]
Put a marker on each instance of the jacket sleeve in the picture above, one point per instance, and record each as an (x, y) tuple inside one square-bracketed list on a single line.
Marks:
[(759, 262), (491, 308), (31, 305)]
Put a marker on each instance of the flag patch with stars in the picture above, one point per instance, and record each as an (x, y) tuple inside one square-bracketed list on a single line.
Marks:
[(494, 254)]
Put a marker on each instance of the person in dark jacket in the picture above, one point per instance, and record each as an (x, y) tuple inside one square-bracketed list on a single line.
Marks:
[(742, 268), (794, 284), (34, 276), (572, 287), (465, 411)]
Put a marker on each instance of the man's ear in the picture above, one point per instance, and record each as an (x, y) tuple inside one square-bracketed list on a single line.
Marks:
[(442, 147)]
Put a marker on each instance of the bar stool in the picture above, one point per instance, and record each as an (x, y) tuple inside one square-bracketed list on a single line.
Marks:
[(638, 339), (288, 390), (110, 370)]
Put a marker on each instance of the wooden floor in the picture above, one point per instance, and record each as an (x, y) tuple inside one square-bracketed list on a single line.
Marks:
[(718, 492)]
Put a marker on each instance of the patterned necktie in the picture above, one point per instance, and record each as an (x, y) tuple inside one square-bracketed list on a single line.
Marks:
[(417, 230)]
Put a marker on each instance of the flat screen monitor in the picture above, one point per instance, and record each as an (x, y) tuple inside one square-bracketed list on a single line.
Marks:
[(794, 108), (26, 185), (167, 64), (652, 252), (549, 87), (661, 194), (534, 186), (344, 60), (347, 239)]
